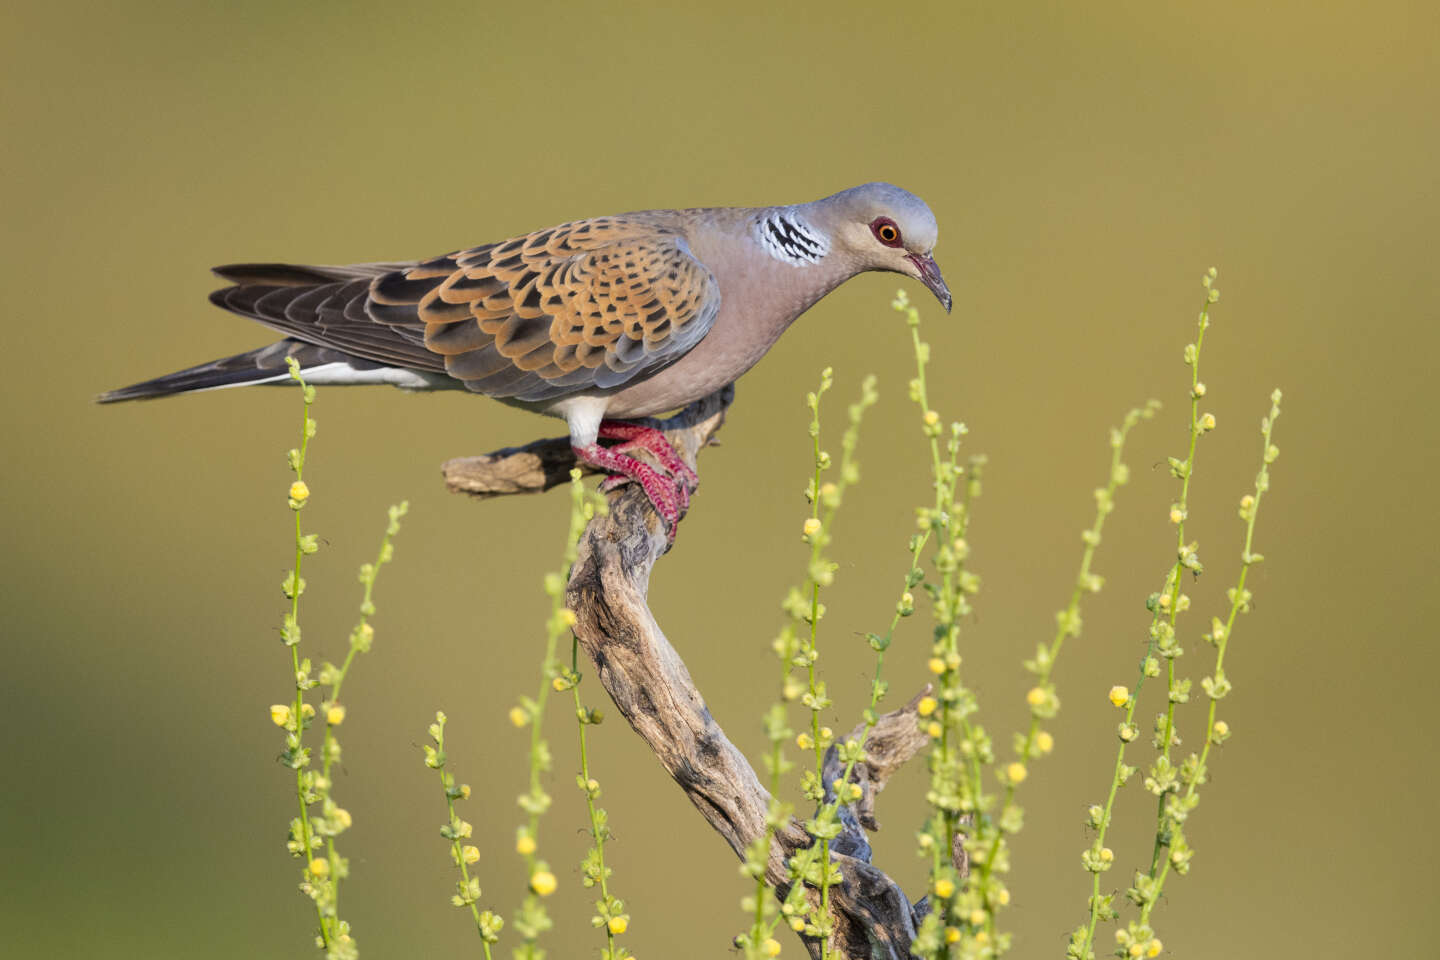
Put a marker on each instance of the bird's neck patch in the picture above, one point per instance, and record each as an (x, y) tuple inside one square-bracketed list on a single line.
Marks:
[(786, 237)]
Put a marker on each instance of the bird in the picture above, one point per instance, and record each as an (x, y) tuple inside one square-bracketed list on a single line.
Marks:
[(598, 322)]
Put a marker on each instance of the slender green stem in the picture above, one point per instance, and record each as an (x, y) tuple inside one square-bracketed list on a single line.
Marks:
[(1239, 602)]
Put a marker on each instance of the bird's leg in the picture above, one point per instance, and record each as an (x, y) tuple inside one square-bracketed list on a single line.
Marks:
[(634, 435), (667, 495)]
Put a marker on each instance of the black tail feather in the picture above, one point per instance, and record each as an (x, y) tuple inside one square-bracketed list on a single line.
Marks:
[(255, 366)]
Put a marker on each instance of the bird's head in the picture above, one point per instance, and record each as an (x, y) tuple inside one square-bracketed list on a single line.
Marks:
[(882, 227)]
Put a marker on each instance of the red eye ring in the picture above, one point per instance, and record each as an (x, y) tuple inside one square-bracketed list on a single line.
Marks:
[(886, 231)]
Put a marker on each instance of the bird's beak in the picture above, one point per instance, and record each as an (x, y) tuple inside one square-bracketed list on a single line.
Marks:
[(929, 273)]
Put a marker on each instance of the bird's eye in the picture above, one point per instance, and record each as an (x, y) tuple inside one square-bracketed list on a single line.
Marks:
[(885, 231)]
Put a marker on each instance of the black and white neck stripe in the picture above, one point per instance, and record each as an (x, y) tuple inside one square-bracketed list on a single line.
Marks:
[(786, 237)]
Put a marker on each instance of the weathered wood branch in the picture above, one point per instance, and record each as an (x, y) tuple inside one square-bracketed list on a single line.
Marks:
[(652, 688)]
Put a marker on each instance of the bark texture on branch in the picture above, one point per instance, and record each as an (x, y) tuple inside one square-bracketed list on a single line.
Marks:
[(652, 688)]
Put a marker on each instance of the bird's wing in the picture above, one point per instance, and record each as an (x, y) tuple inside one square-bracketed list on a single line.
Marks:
[(589, 304)]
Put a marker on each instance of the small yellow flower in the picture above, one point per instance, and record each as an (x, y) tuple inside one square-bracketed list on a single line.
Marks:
[(299, 492), (1246, 502), (279, 714), (335, 715), (977, 918), (797, 924), (464, 791), (936, 665), (1002, 897), (804, 742), (592, 784), (1199, 390), (470, 853), (567, 616), (320, 867), (1044, 742), (524, 844), (1176, 515), (1154, 949), (934, 729), (1222, 729), (828, 490), (926, 706), (618, 925), (1137, 949), (1119, 695), (827, 734), (1035, 697), (558, 684), (771, 947), (952, 934), (1207, 423), (543, 882), (465, 829), (307, 711), (343, 818), (812, 527), (518, 717), (944, 888), (1107, 855), (1016, 772), (931, 418)]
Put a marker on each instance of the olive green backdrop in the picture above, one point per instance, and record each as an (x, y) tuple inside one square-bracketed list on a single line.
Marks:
[(1086, 162)]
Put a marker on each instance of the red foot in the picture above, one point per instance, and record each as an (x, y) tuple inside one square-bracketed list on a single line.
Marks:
[(669, 493), (648, 438)]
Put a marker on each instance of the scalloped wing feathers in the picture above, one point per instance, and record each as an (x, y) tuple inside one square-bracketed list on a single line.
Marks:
[(584, 305)]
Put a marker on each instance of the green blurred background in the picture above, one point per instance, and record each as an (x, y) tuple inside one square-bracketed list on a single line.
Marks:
[(1086, 163)]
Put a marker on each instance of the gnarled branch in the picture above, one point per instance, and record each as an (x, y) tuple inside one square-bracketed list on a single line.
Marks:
[(652, 688)]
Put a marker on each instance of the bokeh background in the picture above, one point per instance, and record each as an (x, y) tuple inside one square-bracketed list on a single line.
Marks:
[(1086, 162)]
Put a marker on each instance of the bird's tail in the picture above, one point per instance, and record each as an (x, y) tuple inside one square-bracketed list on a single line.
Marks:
[(264, 365)]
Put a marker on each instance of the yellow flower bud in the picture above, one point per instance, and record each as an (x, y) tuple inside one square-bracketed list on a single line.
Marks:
[(1002, 897), (618, 925), (826, 733), (470, 853), (518, 717), (319, 867), (926, 706), (279, 714), (1137, 949), (524, 844), (797, 924), (952, 934), (934, 729), (1044, 742), (771, 947), (1154, 949), (977, 918), (567, 616), (804, 742), (944, 888), (307, 711), (543, 882), (1176, 515), (936, 665), (343, 818), (1016, 772), (335, 715), (464, 791), (812, 527), (558, 684), (1107, 855), (1119, 695), (1035, 697), (299, 492), (1222, 729), (931, 418)]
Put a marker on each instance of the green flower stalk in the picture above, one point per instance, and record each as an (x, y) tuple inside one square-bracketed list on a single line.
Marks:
[(321, 876), (457, 831), (531, 919)]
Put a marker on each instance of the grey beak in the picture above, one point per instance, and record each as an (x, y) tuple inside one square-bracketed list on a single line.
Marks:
[(930, 276)]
